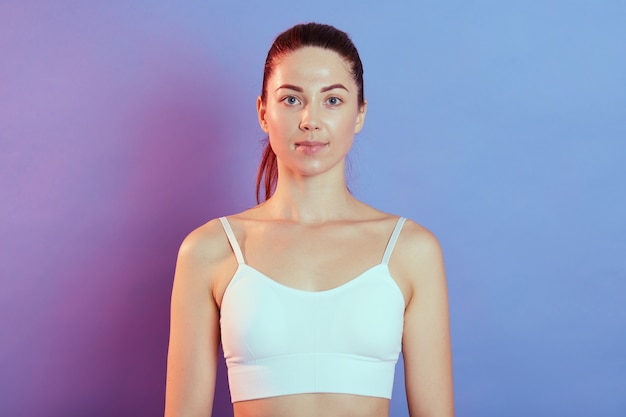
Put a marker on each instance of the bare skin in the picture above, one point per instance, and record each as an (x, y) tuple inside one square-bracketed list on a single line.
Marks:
[(315, 227)]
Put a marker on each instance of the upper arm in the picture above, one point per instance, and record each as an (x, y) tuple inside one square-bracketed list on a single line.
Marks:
[(194, 331), (426, 336)]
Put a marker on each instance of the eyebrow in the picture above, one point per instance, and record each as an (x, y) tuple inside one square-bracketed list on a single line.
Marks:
[(332, 87), (323, 90)]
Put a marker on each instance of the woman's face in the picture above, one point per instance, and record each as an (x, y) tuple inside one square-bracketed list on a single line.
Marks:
[(311, 112)]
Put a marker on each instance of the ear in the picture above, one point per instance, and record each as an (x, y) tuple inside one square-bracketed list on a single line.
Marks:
[(260, 110), (360, 118)]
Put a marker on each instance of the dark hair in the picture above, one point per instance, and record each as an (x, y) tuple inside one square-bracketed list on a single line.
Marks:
[(299, 36)]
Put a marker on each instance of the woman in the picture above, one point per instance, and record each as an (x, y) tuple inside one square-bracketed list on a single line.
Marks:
[(312, 292)]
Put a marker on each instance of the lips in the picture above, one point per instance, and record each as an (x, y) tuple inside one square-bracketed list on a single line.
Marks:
[(310, 143), (310, 146)]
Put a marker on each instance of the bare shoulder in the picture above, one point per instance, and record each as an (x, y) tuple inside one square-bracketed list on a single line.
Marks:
[(417, 260), (204, 255), (416, 241), (207, 243)]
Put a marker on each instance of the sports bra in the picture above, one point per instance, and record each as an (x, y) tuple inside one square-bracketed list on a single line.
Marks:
[(280, 340)]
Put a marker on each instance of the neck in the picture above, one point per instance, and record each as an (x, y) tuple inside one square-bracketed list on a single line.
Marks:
[(311, 200)]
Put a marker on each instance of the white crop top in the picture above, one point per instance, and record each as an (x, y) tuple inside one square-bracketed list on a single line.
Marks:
[(280, 340)]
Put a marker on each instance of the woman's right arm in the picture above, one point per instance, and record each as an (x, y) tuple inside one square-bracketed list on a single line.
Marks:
[(194, 331)]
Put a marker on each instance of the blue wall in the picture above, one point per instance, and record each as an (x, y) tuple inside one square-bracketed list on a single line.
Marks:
[(498, 125)]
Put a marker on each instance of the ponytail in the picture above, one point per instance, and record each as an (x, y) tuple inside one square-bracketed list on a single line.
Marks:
[(268, 173)]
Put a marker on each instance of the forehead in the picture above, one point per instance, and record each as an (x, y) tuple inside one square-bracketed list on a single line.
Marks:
[(311, 65)]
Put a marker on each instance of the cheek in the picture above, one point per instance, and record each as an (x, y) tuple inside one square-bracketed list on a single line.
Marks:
[(280, 122), (344, 124)]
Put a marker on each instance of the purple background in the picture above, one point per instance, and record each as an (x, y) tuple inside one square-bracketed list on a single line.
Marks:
[(498, 125)]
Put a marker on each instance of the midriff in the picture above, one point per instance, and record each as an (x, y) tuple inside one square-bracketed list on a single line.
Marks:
[(314, 405)]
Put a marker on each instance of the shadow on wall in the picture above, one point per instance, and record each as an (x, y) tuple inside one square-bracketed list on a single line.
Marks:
[(89, 315)]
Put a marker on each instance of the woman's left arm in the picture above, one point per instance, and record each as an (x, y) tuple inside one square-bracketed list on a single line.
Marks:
[(426, 337)]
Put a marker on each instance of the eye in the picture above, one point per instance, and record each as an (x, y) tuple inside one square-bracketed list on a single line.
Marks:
[(290, 100), (334, 101)]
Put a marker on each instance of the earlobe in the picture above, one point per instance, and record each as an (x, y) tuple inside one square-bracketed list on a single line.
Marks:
[(360, 118), (260, 109)]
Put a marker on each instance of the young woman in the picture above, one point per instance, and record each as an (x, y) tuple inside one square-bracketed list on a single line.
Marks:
[(312, 293)]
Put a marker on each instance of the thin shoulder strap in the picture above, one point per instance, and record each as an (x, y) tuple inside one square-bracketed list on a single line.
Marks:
[(233, 240), (393, 239)]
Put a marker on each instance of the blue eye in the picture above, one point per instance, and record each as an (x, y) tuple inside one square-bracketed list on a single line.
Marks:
[(291, 100), (334, 101)]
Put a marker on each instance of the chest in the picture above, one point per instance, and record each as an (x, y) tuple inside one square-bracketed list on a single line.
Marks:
[(263, 318), (311, 259)]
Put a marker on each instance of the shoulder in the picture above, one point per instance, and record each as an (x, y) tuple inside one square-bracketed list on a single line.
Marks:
[(203, 253), (417, 259), (417, 241), (206, 243), (205, 262)]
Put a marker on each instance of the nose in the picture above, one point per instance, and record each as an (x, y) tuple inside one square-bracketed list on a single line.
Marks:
[(310, 119)]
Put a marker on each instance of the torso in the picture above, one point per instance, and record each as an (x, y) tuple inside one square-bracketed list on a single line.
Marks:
[(305, 264)]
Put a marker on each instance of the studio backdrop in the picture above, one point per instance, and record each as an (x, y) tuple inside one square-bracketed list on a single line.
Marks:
[(500, 126)]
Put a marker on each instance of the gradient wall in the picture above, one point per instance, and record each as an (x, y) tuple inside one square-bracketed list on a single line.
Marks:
[(498, 125)]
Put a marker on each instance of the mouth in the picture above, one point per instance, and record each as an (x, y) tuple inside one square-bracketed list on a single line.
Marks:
[(310, 147), (310, 143)]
